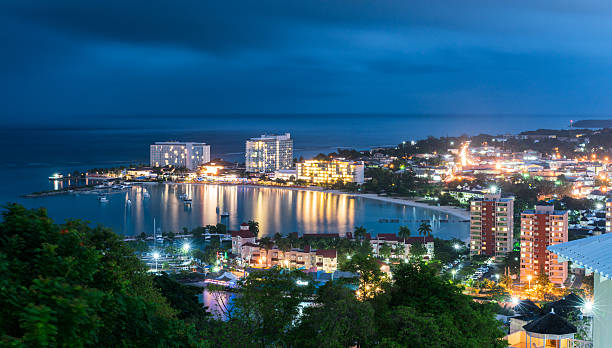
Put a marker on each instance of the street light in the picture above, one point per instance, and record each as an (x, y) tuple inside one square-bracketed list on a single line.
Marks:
[(497, 277), (529, 277), (186, 248), (515, 301), (457, 246), (453, 272), (155, 257)]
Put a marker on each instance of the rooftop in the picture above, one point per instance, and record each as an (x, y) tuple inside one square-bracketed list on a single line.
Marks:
[(592, 253)]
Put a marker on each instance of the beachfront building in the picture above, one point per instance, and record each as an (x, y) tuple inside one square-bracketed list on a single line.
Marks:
[(325, 260), (330, 171), (400, 247), (541, 228), (178, 154), (241, 237), (269, 153), (594, 255), (492, 225)]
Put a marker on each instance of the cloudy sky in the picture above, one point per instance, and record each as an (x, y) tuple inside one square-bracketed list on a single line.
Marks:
[(68, 58)]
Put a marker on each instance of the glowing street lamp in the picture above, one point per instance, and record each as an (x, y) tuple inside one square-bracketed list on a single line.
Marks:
[(515, 301), (529, 277), (453, 272), (497, 277), (186, 247), (457, 246), (155, 257)]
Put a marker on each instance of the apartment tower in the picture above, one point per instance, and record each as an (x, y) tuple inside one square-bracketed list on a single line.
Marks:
[(491, 225), (540, 228)]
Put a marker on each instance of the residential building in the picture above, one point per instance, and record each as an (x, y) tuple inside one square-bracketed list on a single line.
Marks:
[(178, 154), (492, 225), (395, 242), (309, 259), (269, 153), (241, 237), (541, 228), (286, 174), (609, 216), (330, 171)]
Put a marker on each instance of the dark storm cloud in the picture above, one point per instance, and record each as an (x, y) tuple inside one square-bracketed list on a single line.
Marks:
[(70, 57)]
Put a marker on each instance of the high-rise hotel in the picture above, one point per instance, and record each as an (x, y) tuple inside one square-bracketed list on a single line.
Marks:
[(269, 153), (608, 215), (177, 154), (491, 225), (541, 227)]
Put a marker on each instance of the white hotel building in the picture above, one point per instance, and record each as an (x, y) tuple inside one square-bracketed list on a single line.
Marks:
[(177, 154), (269, 153)]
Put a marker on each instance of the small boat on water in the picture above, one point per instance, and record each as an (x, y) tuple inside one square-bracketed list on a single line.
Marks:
[(129, 202), (146, 194), (103, 199)]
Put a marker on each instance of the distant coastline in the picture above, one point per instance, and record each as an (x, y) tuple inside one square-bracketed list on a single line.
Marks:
[(593, 124)]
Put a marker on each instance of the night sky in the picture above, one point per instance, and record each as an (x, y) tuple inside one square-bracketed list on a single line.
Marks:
[(67, 59)]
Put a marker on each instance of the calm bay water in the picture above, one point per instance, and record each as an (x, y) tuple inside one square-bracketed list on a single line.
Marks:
[(30, 154), (276, 210)]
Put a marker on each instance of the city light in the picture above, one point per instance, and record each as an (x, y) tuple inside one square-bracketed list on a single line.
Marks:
[(300, 282), (457, 246), (515, 301), (186, 247), (156, 255), (493, 189), (587, 307), (599, 206)]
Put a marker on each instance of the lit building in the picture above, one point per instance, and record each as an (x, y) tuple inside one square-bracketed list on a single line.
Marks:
[(177, 154), (327, 172), (325, 260), (492, 225), (609, 216), (241, 237), (540, 228), (269, 153), (395, 242)]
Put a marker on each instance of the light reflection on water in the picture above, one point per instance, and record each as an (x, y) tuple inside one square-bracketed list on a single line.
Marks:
[(276, 210)]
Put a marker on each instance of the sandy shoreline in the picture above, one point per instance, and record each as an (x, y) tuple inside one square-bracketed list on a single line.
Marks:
[(454, 211)]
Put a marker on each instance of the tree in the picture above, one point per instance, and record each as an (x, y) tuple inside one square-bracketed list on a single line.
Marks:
[(420, 309), (385, 251), (424, 230), (404, 232), (337, 319), (417, 251), (254, 227), (359, 232), (83, 286), (221, 228), (371, 277), (268, 305)]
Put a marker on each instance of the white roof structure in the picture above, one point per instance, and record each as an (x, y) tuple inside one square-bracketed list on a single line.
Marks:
[(592, 253)]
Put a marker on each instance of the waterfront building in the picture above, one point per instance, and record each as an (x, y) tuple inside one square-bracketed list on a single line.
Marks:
[(492, 225), (325, 260), (285, 174), (541, 228), (395, 242), (269, 153), (178, 154), (330, 171), (241, 237)]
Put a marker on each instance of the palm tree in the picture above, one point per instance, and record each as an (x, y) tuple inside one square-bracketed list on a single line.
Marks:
[(359, 233), (254, 227), (404, 232), (425, 230)]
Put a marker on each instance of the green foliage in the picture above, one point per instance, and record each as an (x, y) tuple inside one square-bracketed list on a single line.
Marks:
[(254, 227), (336, 319), (420, 309), (73, 285)]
